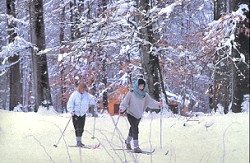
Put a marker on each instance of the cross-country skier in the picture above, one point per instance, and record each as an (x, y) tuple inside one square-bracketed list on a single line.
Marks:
[(78, 104), (135, 103)]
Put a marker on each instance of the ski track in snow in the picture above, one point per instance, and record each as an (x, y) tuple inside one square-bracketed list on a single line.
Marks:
[(29, 137)]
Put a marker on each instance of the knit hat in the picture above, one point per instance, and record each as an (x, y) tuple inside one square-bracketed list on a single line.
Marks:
[(141, 81)]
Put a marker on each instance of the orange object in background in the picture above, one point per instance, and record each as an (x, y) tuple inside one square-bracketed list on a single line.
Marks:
[(113, 107), (114, 99), (173, 105)]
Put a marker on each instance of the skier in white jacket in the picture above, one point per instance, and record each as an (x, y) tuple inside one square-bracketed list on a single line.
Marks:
[(135, 103), (78, 104)]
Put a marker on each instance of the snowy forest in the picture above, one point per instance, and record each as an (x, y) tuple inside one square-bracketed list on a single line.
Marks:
[(194, 54)]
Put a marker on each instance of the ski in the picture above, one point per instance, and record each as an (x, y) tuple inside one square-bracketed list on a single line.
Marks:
[(87, 146), (143, 152), (120, 149), (132, 151)]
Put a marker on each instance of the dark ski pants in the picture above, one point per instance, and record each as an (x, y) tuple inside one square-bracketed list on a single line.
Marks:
[(79, 123), (134, 126)]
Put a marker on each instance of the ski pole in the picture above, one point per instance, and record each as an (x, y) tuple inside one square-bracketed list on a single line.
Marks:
[(115, 123), (93, 137), (161, 128), (55, 145)]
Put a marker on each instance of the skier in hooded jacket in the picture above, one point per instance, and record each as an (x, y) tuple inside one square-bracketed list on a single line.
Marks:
[(135, 103)]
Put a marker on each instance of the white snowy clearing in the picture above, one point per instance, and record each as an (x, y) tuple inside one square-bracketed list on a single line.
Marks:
[(29, 137)]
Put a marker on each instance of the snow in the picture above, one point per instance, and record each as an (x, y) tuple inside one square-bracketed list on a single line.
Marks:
[(168, 10), (29, 137), (15, 47), (242, 9)]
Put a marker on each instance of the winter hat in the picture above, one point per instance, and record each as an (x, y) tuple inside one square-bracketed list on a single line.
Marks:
[(141, 81)]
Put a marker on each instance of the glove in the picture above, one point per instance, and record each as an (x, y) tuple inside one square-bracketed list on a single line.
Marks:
[(72, 113), (121, 111)]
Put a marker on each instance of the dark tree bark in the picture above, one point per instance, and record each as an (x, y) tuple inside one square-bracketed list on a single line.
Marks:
[(71, 5), (15, 75), (102, 7), (231, 82), (241, 71), (39, 60), (150, 62), (61, 64)]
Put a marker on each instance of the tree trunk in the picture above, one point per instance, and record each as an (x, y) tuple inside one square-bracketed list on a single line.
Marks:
[(150, 62), (101, 12), (39, 60), (71, 5), (15, 75), (27, 84), (232, 81), (102, 7), (221, 73), (61, 64), (215, 96), (4, 100), (241, 71)]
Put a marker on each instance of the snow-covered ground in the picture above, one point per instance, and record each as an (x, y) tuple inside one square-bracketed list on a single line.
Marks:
[(29, 138)]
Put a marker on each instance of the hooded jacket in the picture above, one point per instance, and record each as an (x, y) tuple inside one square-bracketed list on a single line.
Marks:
[(135, 105)]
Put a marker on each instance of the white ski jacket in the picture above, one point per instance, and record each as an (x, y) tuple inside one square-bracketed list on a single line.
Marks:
[(80, 103)]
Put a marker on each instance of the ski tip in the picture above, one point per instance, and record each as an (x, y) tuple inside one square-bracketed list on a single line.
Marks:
[(97, 145)]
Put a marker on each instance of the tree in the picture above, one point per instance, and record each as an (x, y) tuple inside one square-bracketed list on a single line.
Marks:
[(150, 62), (40, 70), (231, 72), (241, 66), (61, 64), (15, 75)]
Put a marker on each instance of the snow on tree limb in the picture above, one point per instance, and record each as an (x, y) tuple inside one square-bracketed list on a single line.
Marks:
[(221, 32), (13, 48)]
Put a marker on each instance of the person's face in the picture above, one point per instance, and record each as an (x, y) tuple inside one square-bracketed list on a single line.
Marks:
[(141, 86), (81, 89)]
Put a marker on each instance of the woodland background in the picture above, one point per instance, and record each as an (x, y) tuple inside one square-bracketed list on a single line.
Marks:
[(194, 53)]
